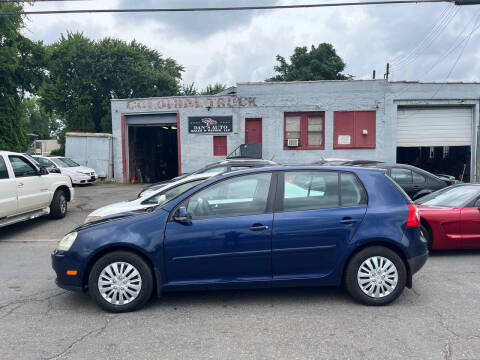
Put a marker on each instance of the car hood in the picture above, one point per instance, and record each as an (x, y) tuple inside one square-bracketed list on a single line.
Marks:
[(120, 207), (82, 169), (108, 219)]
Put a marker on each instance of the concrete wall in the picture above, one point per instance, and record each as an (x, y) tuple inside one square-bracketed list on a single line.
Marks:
[(271, 100), (94, 151)]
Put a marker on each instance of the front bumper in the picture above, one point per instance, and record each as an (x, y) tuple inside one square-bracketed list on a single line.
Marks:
[(84, 179), (61, 262)]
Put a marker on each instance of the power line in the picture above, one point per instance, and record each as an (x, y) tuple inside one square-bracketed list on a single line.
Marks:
[(434, 32), (232, 8)]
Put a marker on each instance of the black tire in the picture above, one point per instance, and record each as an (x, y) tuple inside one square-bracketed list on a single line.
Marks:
[(427, 235), (58, 206), (139, 264), (352, 284)]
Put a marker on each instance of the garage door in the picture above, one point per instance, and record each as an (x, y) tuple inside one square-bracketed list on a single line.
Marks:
[(434, 126)]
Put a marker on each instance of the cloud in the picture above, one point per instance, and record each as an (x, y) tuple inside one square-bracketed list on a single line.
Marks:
[(230, 47), (192, 25)]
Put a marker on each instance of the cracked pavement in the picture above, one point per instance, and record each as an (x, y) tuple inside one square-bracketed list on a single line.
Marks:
[(439, 319)]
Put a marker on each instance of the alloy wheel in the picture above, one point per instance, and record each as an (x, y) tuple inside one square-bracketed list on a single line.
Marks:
[(119, 283), (377, 277)]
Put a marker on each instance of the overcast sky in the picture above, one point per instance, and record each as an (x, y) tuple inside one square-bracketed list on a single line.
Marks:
[(422, 41)]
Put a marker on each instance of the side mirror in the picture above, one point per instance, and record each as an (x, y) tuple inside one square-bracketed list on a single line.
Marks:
[(43, 171), (181, 215), (55, 170)]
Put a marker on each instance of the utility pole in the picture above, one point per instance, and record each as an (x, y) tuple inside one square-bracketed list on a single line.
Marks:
[(373, 76), (387, 74)]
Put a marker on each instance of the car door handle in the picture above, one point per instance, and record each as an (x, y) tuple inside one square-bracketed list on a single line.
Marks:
[(20, 184), (258, 227), (348, 221)]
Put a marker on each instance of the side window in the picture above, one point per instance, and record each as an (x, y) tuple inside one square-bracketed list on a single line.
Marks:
[(352, 192), (243, 195), (477, 203), (21, 167), (310, 190), (3, 169), (418, 178), (402, 176)]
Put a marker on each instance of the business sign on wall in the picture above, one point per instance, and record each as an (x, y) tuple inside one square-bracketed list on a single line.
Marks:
[(210, 124)]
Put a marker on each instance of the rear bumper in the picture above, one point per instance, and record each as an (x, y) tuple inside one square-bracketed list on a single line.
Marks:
[(417, 262)]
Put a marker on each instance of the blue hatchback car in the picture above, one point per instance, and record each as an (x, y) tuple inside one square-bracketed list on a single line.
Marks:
[(264, 227)]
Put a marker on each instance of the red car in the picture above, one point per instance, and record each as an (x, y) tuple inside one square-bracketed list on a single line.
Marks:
[(450, 217)]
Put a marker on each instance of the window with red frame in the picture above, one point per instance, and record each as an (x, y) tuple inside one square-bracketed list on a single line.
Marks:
[(308, 128), (219, 146)]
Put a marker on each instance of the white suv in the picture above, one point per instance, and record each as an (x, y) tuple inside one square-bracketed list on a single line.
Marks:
[(28, 191)]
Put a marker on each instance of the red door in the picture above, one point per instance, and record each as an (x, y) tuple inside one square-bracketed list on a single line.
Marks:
[(253, 131)]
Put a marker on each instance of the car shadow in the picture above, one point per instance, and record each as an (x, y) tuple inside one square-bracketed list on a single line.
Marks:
[(447, 253), (270, 297)]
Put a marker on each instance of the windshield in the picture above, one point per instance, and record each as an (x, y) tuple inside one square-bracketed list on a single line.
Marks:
[(165, 196), (456, 196), (69, 162), (33, 160)]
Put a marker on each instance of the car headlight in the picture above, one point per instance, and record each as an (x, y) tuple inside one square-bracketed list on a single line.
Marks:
[(80, 173), (91, 218), (66, 243)]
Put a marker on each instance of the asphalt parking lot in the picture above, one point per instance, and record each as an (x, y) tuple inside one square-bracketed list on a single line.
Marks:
[(438, 319)]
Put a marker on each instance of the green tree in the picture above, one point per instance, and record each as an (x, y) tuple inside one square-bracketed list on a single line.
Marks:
[(21, 72), (189, 90), (320, 63), (85, 75), (37, 121), (214, 89)]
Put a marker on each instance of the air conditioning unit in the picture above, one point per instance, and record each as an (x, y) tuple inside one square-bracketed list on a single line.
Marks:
[(292, 142)]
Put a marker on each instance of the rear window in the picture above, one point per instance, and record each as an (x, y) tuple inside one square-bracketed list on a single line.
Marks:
[(457, 196), (404, 194)]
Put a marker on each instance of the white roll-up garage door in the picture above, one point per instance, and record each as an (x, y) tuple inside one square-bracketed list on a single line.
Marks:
[(434, 126)]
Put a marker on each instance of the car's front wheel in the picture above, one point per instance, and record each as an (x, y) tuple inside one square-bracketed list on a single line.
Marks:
[(120, 281), (375, 276), (58, 206)]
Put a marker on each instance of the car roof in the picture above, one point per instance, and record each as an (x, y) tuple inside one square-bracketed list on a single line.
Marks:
[(304, 167), (9, 153)]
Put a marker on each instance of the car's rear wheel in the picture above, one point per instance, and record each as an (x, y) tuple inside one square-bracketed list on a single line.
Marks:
[(375, 276), (120, 281), (426, 235), (58, 206)]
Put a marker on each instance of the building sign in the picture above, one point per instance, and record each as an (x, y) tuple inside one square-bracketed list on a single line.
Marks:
[(191, 102), (344, 140), (210, 124)]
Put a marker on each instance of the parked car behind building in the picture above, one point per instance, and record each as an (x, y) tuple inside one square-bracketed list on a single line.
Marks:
[(274, 226)]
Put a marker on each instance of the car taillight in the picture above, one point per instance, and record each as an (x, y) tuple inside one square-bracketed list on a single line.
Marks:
[(413, 216)]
